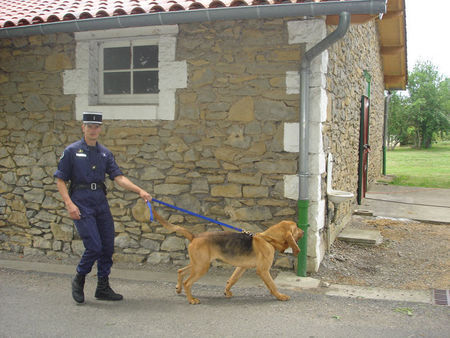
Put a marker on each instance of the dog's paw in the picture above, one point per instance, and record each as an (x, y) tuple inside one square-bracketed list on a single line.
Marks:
[(194, 301), (178, 289), (228, 293), (283, 297)]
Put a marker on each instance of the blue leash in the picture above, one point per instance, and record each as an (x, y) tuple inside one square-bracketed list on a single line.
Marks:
[(190, 213)]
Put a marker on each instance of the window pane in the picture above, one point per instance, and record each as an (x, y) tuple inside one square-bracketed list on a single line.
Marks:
[(116, 83), (116, 58), (145, 82), (145, 57)]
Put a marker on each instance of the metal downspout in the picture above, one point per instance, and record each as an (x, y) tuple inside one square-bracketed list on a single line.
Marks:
[(303, 160), (387, 100)]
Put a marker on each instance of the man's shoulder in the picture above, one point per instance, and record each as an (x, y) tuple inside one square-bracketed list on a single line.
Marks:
[(103, 149)]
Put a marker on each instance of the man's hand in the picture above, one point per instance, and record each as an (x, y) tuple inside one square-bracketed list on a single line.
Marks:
[(145, 195), (73, 210)]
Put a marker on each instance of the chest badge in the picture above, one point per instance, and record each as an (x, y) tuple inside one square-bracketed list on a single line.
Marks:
[(80, 153)]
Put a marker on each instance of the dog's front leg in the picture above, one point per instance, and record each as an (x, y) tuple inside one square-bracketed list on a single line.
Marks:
[(267, 279), (238, 272)]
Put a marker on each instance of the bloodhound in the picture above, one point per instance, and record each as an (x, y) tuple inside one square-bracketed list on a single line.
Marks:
[(242, 250)]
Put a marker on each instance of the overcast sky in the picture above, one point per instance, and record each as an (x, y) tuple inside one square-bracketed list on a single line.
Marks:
[(428, 33)]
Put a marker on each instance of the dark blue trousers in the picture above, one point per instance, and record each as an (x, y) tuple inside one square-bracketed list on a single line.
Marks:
[(96, 229)]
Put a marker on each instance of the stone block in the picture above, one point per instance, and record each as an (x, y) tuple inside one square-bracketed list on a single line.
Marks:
[(243, 110), (19, 219), (77, 247), (255, 191), (150, 244), (244, 178), (158, 258), (171, 189), (128, 258), (257, 213), (62, 232), (173, 244), (140, 211), (41, 243), (227, 190)]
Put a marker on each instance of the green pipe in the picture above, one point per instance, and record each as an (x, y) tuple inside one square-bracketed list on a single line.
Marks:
[(303, 242), (387, 99)]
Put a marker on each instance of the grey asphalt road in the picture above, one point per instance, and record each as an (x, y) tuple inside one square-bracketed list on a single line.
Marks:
[(38, 304)]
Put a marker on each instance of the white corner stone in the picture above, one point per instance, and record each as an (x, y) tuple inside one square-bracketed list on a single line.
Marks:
[(315, 138), (315, 187), (291, 187), (316, 214), (317, 163), (292, 82), (291, 138), (306, 31), (318, 106)]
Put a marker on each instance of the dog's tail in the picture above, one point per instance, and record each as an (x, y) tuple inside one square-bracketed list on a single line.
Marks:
[(174, 228)]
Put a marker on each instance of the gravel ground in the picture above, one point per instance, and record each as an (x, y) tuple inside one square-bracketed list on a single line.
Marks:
[(413, 255)]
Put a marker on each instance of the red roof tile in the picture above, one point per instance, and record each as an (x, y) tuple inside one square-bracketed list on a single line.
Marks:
[(29, 12)]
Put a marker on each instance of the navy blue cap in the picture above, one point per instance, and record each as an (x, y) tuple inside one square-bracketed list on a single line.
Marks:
[(92, 117)]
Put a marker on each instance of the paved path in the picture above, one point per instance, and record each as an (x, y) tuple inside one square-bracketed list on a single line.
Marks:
[(38, 304), (422, 204)]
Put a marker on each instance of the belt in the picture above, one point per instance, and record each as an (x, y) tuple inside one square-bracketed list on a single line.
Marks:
[(87, 186)]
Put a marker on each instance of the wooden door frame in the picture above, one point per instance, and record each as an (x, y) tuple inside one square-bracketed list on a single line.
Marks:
[(363, 148)]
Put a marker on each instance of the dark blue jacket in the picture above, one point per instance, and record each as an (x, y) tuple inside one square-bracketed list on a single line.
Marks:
[(80, 165)]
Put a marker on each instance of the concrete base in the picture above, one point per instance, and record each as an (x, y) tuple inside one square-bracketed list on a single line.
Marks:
[(353, 291), (288, 279), (360, 236)]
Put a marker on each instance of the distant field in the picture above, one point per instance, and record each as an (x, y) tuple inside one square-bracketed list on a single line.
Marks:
[(428, 168)]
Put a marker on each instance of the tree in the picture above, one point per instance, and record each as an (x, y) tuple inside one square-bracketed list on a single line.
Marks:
[(425, 108), (398, 114)]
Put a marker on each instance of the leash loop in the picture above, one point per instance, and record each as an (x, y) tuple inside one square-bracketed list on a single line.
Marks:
[(151, 211), (192, 214)]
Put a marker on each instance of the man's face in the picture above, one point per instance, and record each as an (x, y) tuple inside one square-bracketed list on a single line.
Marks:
[(91, 131)]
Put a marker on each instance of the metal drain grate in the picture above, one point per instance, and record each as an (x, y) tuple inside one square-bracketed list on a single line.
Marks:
[(441, 297)]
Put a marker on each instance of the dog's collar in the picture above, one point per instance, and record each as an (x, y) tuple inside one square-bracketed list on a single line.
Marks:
[(248, 233)]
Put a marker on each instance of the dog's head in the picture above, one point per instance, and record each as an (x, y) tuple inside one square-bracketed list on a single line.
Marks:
[(284, 235)]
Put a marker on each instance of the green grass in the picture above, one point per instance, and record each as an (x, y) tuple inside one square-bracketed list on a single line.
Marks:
[(428, 168)]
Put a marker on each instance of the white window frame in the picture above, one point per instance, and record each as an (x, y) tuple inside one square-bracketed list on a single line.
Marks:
[(84, 81), (124, 98)]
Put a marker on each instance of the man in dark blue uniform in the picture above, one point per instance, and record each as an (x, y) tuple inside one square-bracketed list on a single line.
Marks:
[(85, 164)]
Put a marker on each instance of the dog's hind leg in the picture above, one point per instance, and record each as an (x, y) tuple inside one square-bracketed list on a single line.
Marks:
[(181, 273), (238, 272)]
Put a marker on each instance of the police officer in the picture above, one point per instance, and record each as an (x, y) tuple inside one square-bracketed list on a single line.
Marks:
[(85, 164)]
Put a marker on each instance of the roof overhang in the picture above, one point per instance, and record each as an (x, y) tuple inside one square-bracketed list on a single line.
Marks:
[(392, 32)]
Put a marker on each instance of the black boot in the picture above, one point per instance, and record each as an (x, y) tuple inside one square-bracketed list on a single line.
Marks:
[(104, 291), (77, 288)]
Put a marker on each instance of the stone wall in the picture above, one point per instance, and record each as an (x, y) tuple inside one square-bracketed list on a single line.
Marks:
[(348, 59), (222, 156)]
